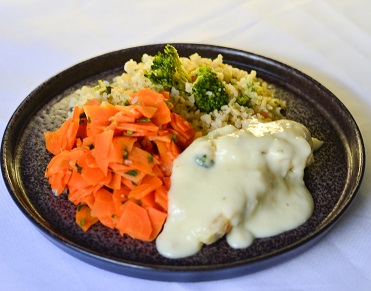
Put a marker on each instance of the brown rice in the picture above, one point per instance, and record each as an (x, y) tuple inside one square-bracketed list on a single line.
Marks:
[(264, 105)]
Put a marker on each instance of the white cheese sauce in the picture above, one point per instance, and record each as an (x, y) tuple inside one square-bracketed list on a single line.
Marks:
[(244, 184)]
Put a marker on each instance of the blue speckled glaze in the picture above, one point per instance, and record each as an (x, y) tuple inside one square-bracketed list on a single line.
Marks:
[(333, 179)]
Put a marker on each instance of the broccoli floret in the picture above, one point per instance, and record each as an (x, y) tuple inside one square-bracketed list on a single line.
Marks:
[(167, 70), (209, 92), (244, 100)]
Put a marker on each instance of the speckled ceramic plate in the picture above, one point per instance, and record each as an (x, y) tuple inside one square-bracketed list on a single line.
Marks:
[(333, 179)]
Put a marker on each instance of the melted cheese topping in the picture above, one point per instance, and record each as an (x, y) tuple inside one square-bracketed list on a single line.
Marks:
[(244, 184)]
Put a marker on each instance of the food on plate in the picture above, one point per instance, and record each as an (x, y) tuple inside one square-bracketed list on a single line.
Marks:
[(115, 162), (165, 119), (248, 95), (204, 85), (249, 185)]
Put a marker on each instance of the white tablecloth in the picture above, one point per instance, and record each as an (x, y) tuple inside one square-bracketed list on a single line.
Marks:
[(328, 40)]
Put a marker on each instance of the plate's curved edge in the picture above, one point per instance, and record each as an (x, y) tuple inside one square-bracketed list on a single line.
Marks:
[(6, 165), (180, 274)]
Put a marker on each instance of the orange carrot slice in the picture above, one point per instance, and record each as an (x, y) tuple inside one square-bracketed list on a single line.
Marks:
[(166, 159), (157, 219), (100, 114), (104, 208), (135, 222), (161, 197), (182, 126), (102, 149), (142, 127), (147, 111), (98, 117), (151, 98), (145, 188), (84, 218), (122, 146), (63, 138)]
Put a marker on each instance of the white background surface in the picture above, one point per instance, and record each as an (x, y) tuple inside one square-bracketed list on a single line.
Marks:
[(328, 40)]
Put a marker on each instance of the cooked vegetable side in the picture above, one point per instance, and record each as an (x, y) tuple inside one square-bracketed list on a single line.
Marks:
[(115, 162)]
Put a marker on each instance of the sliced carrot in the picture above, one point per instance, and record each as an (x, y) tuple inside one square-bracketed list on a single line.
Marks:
[(128, 183), (138, 161), (174, 150), (93, 129), (98, 117), (131, 180), (148, 201), (166, 159), (102, 149), (60, 169), (135, 222), (139, 156), (182, 126), (84, 218), (122, 146), (89, 170), (178, 138), (77, 196), (81, 132), (146, 144), (165, 94), (88, 200), (78, 186), (100, 114), (59, 181), (167, 182), (58, 164), (115, 182), (92, 102), (89, 142), (122, 116), (129, 111), (137, 127), (157, 171), (63, 138), (78, 142), (157, 219), (148, 97), (113, 126), (145, 188), (164, 138), (116, 162), (119, 197), (161, 197), (147, 111), (104, 208)]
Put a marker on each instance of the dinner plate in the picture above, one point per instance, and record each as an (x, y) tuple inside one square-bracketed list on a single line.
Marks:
[(333, 180)]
